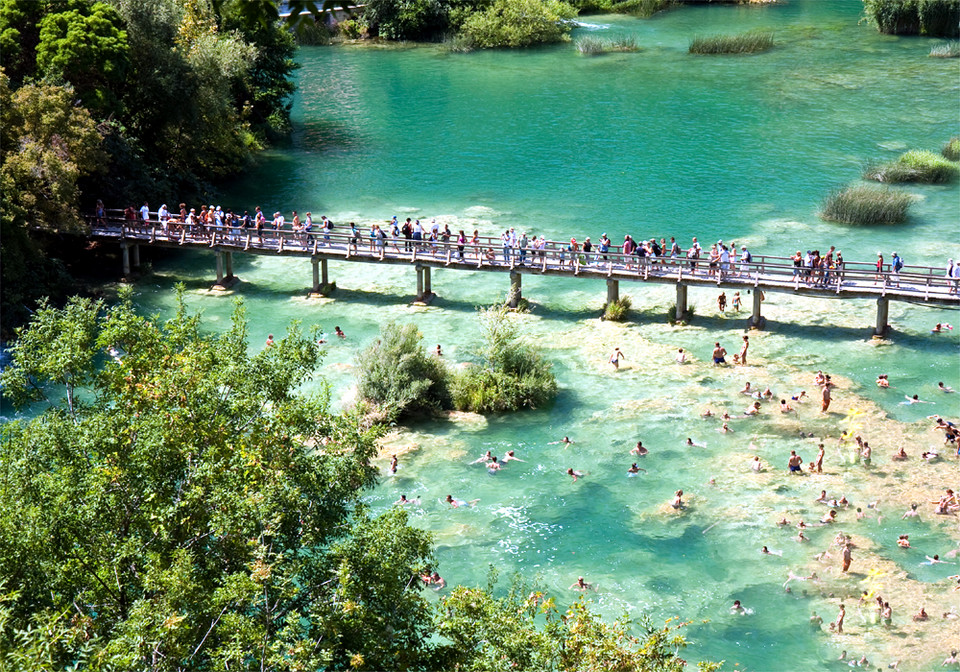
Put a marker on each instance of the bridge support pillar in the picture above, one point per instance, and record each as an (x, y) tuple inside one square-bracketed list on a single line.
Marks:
[(883, 313), (136, 256), (513, 298), (681, 301), (225, 280), (613, 290), (321, 280), (424, 294), (219, 256), (756, 319), (125, 255), (228, 262)]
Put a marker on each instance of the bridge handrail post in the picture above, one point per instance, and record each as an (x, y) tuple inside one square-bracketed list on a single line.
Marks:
[(153, 233), (449, 251)]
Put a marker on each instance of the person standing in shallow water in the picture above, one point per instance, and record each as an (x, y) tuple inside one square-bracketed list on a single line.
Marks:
[(616, 357), (722, 302), (743, 350), (719, 354)]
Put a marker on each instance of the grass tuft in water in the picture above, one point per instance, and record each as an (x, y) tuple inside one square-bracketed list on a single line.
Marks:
[(592, 46), (866, 205), (951, 150), (616, 311), (744, 43), (626, 43), (459, 44), (915, 166), (945, 50)]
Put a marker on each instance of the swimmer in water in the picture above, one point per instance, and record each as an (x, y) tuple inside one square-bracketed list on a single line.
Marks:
[(799, 397), (565, 441), (756, 464), (883, 380), (901, 454), (935, 560), (915, 399), (911, 513), (785, 407), (511, 457), (574, 474), (737, 608), (725, 429), (677, 500), (692, 443), (493, 466), (944, 388), (634, 470), (681, 356), (746, 389), (339, 332), (707, 414), (438, 352), (270, 342), (393, 464), (639, 449), (457, 503), (753, 410), (580, 584), (616, 357), (403, 501), (484, 458)]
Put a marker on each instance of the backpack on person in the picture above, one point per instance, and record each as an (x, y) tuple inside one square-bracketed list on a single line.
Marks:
[(898, 264)]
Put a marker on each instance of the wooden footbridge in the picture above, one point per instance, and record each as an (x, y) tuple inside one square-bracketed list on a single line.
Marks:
[(764, 273)]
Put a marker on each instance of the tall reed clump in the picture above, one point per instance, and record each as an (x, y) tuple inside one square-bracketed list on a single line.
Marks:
[(591, 46), (510, 375), (398, 378), (951, 150), (616, 311), (594, 46), (936, 18), (866, 205), (945, 50), (915, 166), (743, 43)]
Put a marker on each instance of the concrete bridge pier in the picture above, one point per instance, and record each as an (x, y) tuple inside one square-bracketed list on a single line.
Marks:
[(225, 277), (125, 255), (613, 291), (756, 319), (320, 276), (883, 313), (228, 262), (513, 298), (681, 301), (136, 257), (424, 293)]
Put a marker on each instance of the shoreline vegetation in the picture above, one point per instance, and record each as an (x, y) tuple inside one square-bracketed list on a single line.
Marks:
[(223, 502)]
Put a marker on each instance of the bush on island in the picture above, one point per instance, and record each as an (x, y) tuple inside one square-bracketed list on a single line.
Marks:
[(915, 166), (419, 20), (866, 205), (951, 150), (511, 374), (519, 23), (936, 18), (744, 43), (616, 311), (397, 376)]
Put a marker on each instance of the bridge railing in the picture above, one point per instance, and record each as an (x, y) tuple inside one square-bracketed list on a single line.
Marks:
[(487, 251)]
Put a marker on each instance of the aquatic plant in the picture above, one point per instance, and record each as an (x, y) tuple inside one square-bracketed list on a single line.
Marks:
[(592, 46), (639, 8), (511, 374), (626, 43), (743, 43), (951, 150), (937, 18), (458, 44), (866, 205), (397, 376), (616, 311), (915, 166), (945, 50), (687, 315)]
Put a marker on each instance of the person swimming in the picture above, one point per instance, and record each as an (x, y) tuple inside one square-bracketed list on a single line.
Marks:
[(639, 449), (511, 457), (574, 474), (634, 470), (677, 500)]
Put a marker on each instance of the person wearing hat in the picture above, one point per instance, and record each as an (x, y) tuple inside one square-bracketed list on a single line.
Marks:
[(896, 263), (603, 246), (953, 272)]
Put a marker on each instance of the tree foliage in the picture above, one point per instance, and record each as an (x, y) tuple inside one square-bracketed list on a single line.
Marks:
[(170, 501), (520, 23), (395, 373)]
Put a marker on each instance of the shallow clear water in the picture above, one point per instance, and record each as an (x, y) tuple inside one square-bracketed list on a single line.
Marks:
[(655, 143)]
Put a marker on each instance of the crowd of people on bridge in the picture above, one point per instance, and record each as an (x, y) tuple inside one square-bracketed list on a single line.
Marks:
[(721, 261)]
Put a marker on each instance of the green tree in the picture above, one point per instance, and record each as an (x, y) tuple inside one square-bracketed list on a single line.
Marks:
[(520, 23), (86, 47), (398, 377), (190, 507)]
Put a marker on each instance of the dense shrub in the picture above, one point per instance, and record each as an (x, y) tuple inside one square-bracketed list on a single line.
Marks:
[(406, 19), (520, 23), (395, 374), (937, 18), (640, 8), (865, 205), (915, 166), (511, 374), (744, 43)]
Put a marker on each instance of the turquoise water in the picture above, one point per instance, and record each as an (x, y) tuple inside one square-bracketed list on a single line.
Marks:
[(655, 143)]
